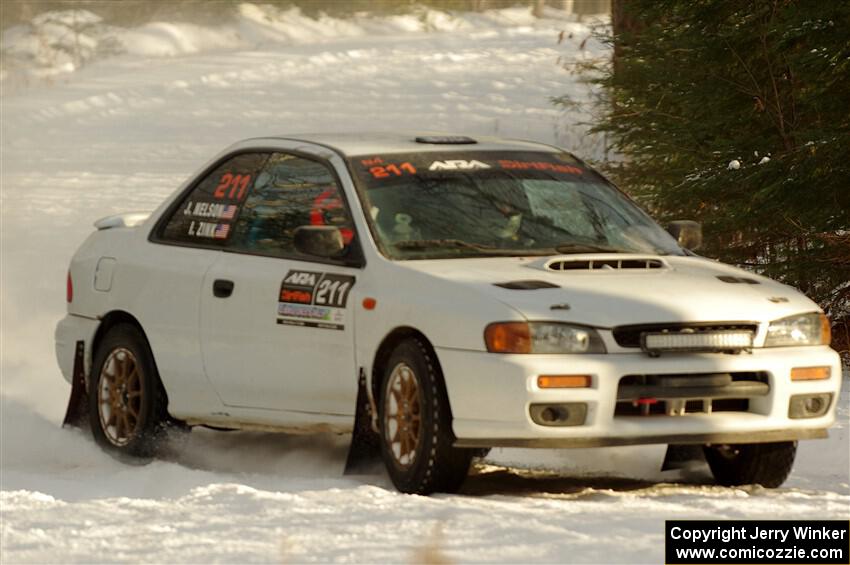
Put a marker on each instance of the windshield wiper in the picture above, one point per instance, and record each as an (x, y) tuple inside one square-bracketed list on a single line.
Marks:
[(431, 243), (488, 249), (588, 248), (426, 244)]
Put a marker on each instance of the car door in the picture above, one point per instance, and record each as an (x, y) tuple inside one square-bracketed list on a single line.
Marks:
[(277, 328), (168, 273)]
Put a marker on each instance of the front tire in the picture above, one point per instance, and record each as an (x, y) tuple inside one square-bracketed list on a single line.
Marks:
[(765, 464), (126, 401), (415, 421)]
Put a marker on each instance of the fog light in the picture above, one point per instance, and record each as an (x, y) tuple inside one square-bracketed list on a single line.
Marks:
[(813, 405), (563, 381), (809, 405), (567, 414), (809, 373)]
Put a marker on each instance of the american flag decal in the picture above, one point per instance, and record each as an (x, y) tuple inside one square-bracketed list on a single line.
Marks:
[(222, 231), (229, 212)]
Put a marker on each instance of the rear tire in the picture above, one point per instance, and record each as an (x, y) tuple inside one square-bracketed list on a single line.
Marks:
[(415, 421), (765, 464), (127, 405)]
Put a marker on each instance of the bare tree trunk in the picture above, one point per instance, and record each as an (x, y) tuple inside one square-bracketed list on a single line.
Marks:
[(622, 22), (537, 8), (583, 8)]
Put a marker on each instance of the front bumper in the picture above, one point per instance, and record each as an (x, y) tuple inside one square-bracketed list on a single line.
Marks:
[(491, 395)]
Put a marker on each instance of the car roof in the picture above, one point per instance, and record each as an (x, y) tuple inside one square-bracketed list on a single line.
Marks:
[(371, 143)]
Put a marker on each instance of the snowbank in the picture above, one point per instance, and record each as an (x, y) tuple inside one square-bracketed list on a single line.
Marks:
[(59, 42)]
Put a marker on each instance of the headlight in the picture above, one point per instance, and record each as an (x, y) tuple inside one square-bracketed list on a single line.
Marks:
[(803, 329), (541, 337)]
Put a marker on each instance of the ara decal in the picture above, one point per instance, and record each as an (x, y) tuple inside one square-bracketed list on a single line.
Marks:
[(314, 299)]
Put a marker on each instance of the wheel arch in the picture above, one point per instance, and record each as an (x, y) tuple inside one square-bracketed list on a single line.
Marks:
[(109, 321), (385, 349), (443, 467)]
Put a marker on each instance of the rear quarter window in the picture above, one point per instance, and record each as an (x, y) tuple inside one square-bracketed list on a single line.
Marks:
[(207, 214)]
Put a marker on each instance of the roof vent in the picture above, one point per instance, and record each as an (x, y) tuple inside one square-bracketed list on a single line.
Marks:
[(602, 264), (445, 139)]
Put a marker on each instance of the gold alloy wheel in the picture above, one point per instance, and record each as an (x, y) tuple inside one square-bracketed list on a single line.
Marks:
[(402, 415), (119, 396)]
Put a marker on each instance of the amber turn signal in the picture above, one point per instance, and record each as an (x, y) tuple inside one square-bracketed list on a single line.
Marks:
[(809, 373), (508, 337), (563, 381), (825, 330)]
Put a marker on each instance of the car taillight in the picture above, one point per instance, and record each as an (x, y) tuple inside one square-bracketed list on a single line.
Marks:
[(69, 291)]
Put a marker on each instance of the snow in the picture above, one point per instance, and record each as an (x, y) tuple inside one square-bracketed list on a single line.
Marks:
[(734, 165), (240, 497), (63, 41), (122, 131)]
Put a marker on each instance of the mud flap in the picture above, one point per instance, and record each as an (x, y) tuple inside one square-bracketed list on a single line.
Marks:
[(77, 411), (364, 453), (682, 456)]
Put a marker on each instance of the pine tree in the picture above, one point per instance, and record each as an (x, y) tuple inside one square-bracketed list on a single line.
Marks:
[(736, 113)]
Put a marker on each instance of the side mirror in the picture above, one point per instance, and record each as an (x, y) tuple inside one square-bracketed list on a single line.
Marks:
[(322, 241), (687, 233)]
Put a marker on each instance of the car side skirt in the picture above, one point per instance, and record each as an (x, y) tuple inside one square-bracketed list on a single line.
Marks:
[(711, 438)]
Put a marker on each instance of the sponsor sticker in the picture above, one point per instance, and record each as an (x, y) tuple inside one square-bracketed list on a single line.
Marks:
[(311, 316), (457, 165), (511, 164), (314, 299)]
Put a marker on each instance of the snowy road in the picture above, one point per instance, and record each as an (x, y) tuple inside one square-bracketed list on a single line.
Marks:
[(120, 135)]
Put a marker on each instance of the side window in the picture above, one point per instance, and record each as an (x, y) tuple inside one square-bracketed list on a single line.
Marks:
[(206, 216), (289, 192)]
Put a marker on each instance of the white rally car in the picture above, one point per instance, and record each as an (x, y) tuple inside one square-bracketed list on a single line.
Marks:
[(435, 295)]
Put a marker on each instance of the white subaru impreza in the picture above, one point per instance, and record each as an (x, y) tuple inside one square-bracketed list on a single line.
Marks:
[(436, 296)]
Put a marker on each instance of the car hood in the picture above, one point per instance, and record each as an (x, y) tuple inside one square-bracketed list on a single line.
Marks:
[(677, 289)]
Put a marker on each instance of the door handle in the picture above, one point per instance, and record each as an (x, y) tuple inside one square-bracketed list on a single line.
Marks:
[(222, 288)]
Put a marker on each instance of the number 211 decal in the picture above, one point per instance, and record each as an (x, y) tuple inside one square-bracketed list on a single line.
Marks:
[(232, 187)]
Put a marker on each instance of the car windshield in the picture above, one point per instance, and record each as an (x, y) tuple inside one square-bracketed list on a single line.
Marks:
[(483, 203)]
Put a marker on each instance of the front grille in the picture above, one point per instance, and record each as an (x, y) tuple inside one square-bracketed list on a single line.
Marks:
[(680, 394), (629, 336), (691, 407)]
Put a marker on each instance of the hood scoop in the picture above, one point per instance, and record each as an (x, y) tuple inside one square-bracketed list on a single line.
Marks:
[(631, 263), (526, 285), (737, 280)]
